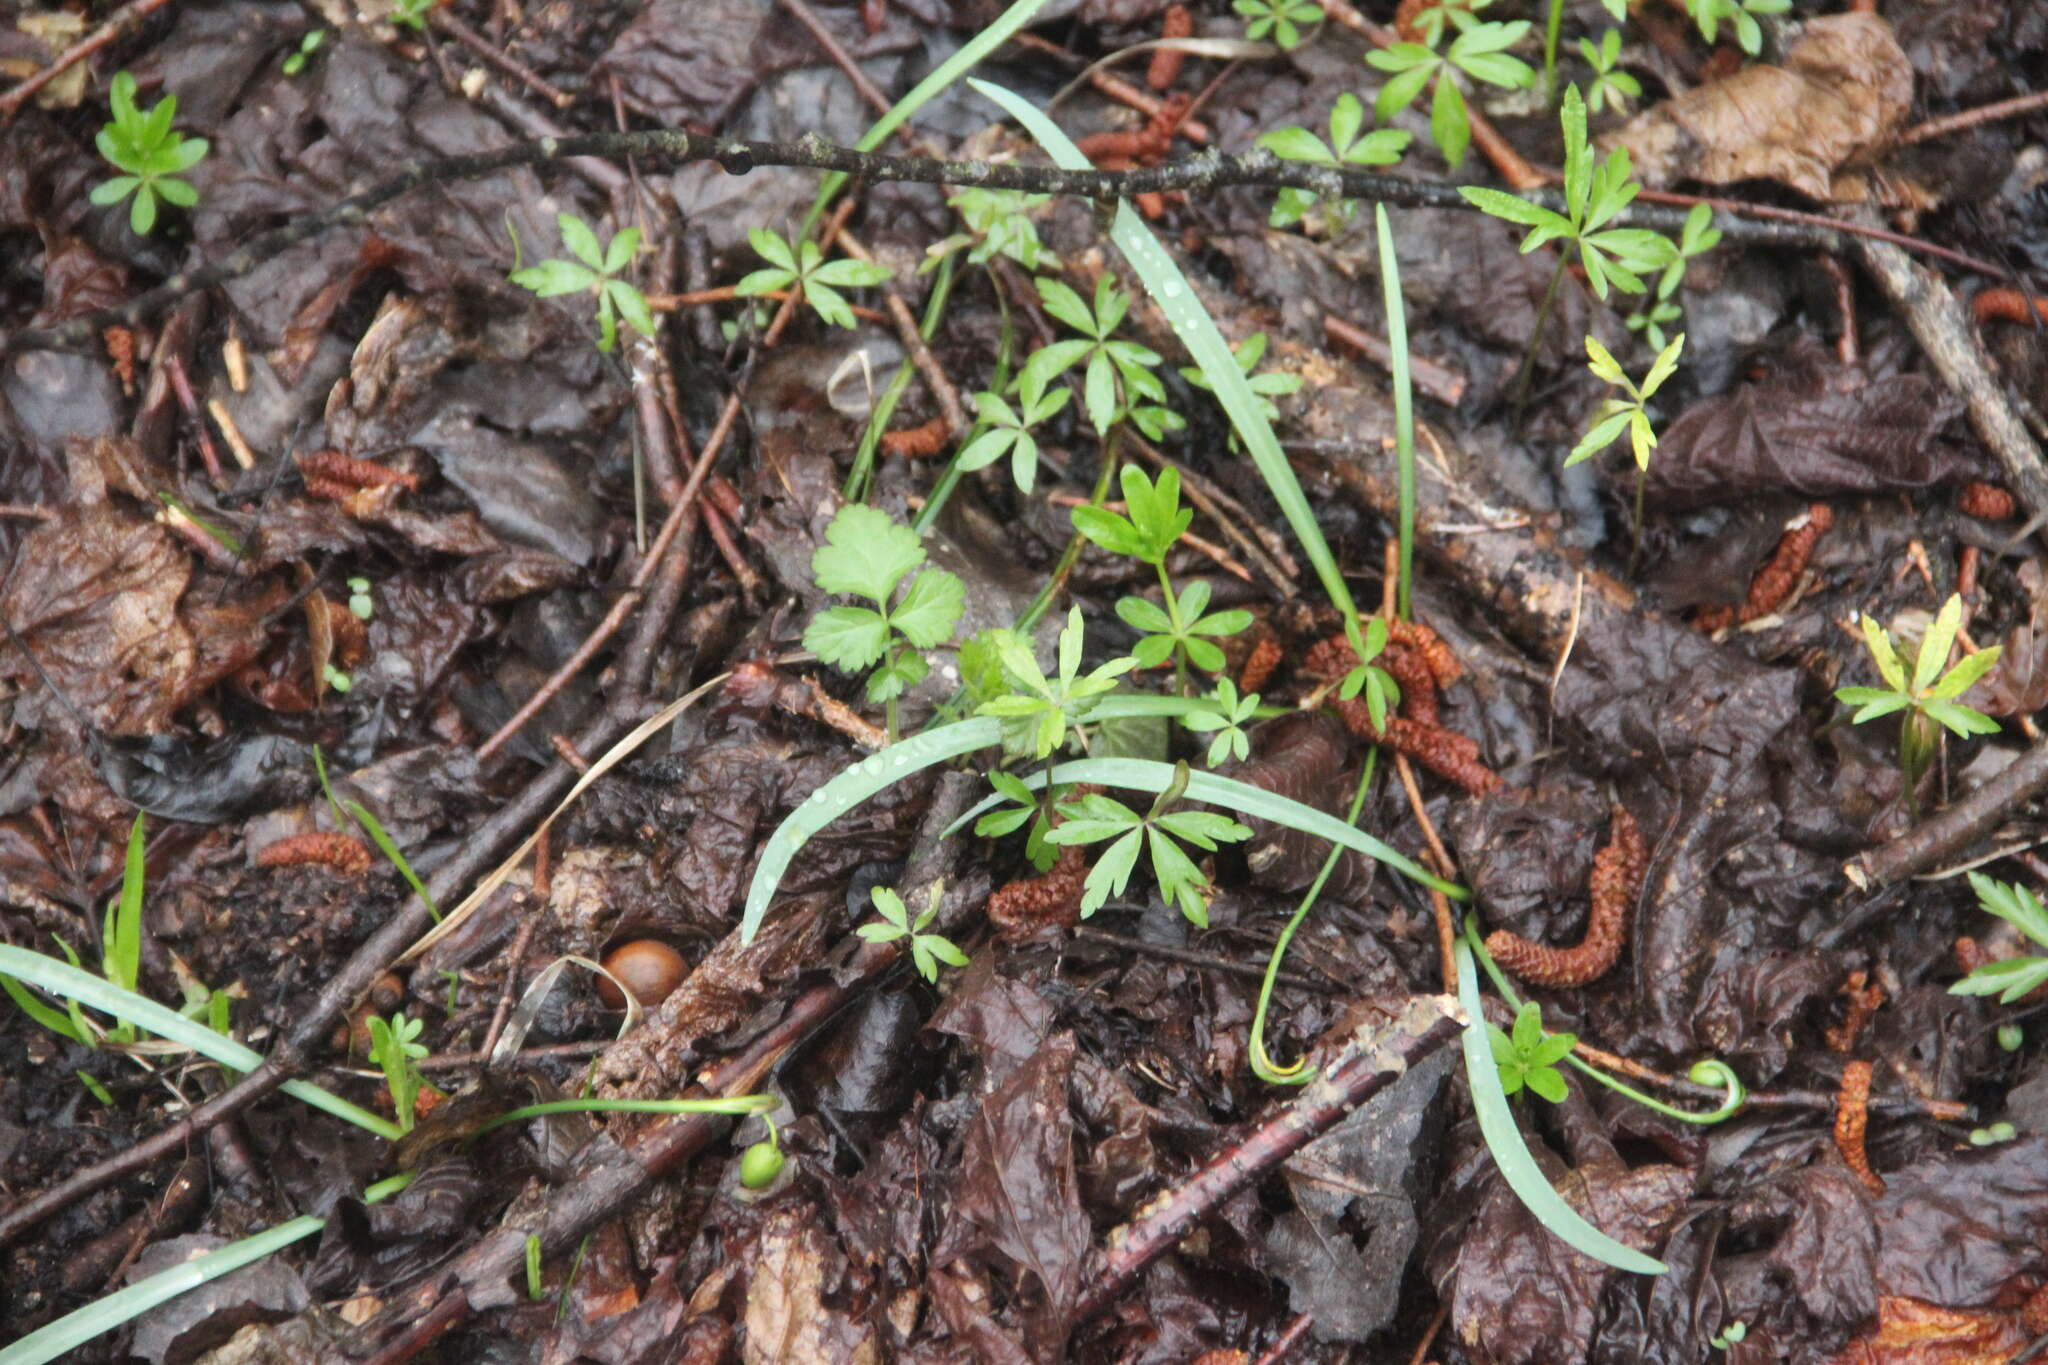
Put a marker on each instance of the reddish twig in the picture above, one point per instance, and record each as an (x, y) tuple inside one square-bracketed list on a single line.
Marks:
[(1505, 160), (1618, 871), (117, 25), (1972, 118), (1370, 1061), (1439, 381)]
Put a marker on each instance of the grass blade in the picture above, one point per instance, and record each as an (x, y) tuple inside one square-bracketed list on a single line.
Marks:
[(1404, 400), (1511, 1154), (1198, 332), (61, 978), (1240, 799), (944, 74), (103, 1315)]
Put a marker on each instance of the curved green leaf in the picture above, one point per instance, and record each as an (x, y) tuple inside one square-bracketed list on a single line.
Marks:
[(1511, 1154)]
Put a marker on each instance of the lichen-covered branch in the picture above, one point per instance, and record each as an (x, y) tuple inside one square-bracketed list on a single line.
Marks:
[(1204, 173)]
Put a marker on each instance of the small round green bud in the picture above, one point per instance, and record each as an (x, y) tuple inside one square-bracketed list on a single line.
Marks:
[(760, 1164), (2003, 1131), (2010, 1036)]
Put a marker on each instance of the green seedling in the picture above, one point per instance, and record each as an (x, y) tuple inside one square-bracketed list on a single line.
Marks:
[(534, 1289), (411, 14), (998, 223), (803, 267), (1009, 429), (338, 680), (592, 271), (392, 1048), (120, 959), (1346, 147), (1037, 711), (1284, 20), (1462, 16), (1268, 386), (1610, 85), (1480, 52), (1732, 1335), (1026, 805), (1698, 237), (1117, 374), (1095, 818), (148, 153), (360, 604), (1529, 1056), (1630, 414), (1183, 630), (927, 951), (1231, 714), (308, 45), (1993, 1134), (2014, 976), (1708, 14), (1929, 697), (866, 554), (1593, 196), (95, 1089)]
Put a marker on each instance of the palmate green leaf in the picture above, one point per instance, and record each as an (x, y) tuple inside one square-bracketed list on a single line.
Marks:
[(851, 274), (1297, 144), (772, 248), (553, 278), (1874, 703), (1603, 432), (1881, 653), (866, 553), (1221, 622), (1204, 829), (1098, 391), (2013, 903), (632, 305), (1059, 299), (1449, 125), (1514, 208), (828, 304), (1960, 720), (1663, 367), (847, 638), (1142, 614), (2008, 979), (619, 252), (1936, 644), (1111, 873), (113, 191), (1400, 90), (1965, 674), (901, 670), (930, 609), (580, 240), (764, 281)]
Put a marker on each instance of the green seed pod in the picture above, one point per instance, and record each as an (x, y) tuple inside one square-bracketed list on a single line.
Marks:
[(760, 1164)]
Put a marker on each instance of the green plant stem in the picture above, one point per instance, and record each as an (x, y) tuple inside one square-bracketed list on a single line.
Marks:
[(1263, 1066), (1404, 403), (738, 1106), (949, 479), (1180, 662), (1551, 28), (1519, 396), (1635, 550), (1075, 543), (1708, 1071)]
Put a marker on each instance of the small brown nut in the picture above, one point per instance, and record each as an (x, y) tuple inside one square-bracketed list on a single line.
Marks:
[(649, 967)]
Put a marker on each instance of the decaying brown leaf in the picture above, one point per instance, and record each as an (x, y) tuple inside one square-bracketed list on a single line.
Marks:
[(1841, 93)]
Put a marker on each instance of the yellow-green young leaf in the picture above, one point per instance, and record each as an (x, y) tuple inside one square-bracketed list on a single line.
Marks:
[(1641, 437), (1881, 653), (1602, 364), (1935, 645), (1965, 674), (1667, 362)]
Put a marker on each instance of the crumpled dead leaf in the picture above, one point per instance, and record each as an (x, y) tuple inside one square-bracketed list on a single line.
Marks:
[(1910, 1332), (1844, 88), (96, 599)]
